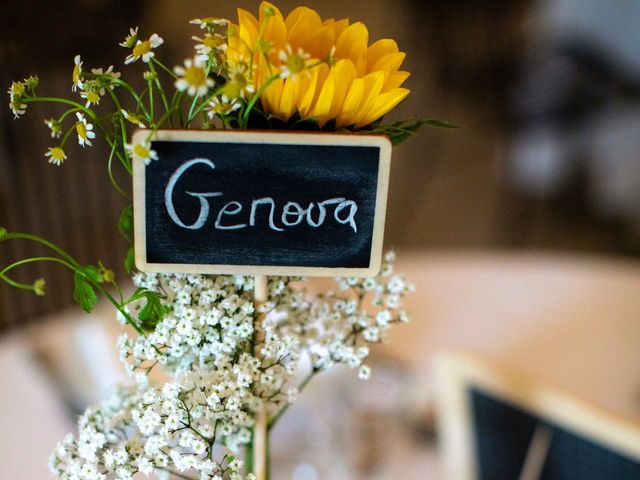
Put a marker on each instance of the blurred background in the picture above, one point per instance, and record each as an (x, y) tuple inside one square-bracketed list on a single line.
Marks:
[(521, 230)]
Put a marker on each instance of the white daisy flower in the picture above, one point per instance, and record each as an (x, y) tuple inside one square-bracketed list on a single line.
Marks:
[(144, 50), (133, 118), (193, 77), (131, 39), (109, 74), (222, 106), (142, 151), (84, 130), (91, 93), (209, 23), (56, 155), (55, 126), (210, 43), (293, 63), (76, 76)]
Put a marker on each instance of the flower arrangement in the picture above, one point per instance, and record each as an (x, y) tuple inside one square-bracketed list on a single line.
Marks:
[(297, 72)]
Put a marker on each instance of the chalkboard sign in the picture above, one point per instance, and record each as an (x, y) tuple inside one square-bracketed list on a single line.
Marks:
[(261, 203), (499, 424), (504, 433)]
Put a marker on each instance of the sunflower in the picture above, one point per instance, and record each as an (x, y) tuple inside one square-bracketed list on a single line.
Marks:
[(346, 80)]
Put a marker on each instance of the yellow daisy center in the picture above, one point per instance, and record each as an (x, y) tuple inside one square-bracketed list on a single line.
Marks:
[(195, 76), (141, 151), (142, 48), (57, 153), (18, 89), (295, 63), (76, 74), (82, 130), (212, 42), (93, 97)]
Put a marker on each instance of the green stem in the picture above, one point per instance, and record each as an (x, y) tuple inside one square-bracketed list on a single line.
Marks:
[(158, 84), (255, 98), (111, 177), (42, 241)]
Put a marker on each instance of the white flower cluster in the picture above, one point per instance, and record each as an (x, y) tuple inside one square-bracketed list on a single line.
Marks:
[(226, 362)]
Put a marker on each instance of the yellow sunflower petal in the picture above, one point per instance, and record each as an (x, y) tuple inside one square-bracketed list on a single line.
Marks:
[(351, 103), (379, 49), (307, 92), (276, 31), (271, 97), (325, 99), (352, 42), (383, 104), (372, 86), (288, 98), (344, 72), (338, 26), (389, 62), (247, 28), (394, 80), (307, 15)]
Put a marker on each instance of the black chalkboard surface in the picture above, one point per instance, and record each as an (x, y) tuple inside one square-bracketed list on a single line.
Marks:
[(499, 423), (261, 203), (503, 434)]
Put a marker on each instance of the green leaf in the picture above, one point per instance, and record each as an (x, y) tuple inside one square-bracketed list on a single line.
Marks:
[(93, 273), (400, 131), (125, 223), (152, 312), (306, 124), (3, 233), (439, 124), (130, 261), (84, 294)]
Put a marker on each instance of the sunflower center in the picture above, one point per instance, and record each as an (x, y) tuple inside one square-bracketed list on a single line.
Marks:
[(142, 48)]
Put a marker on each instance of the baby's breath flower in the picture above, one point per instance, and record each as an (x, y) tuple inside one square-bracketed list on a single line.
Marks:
[(84, 130), (131, 39), (222, 106), (55, 126), (56, 155), (142, 152), (144, 49), (133, 118), (76, 75), (293, 63), (193, 77)]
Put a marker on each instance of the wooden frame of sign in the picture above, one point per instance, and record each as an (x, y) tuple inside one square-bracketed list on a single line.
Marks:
[(210, 201), (457, 373)]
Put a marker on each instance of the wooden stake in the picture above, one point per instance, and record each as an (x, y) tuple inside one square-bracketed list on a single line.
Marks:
[(260, 429)]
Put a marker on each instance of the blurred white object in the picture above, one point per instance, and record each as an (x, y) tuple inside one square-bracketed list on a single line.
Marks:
[(33, 416)]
